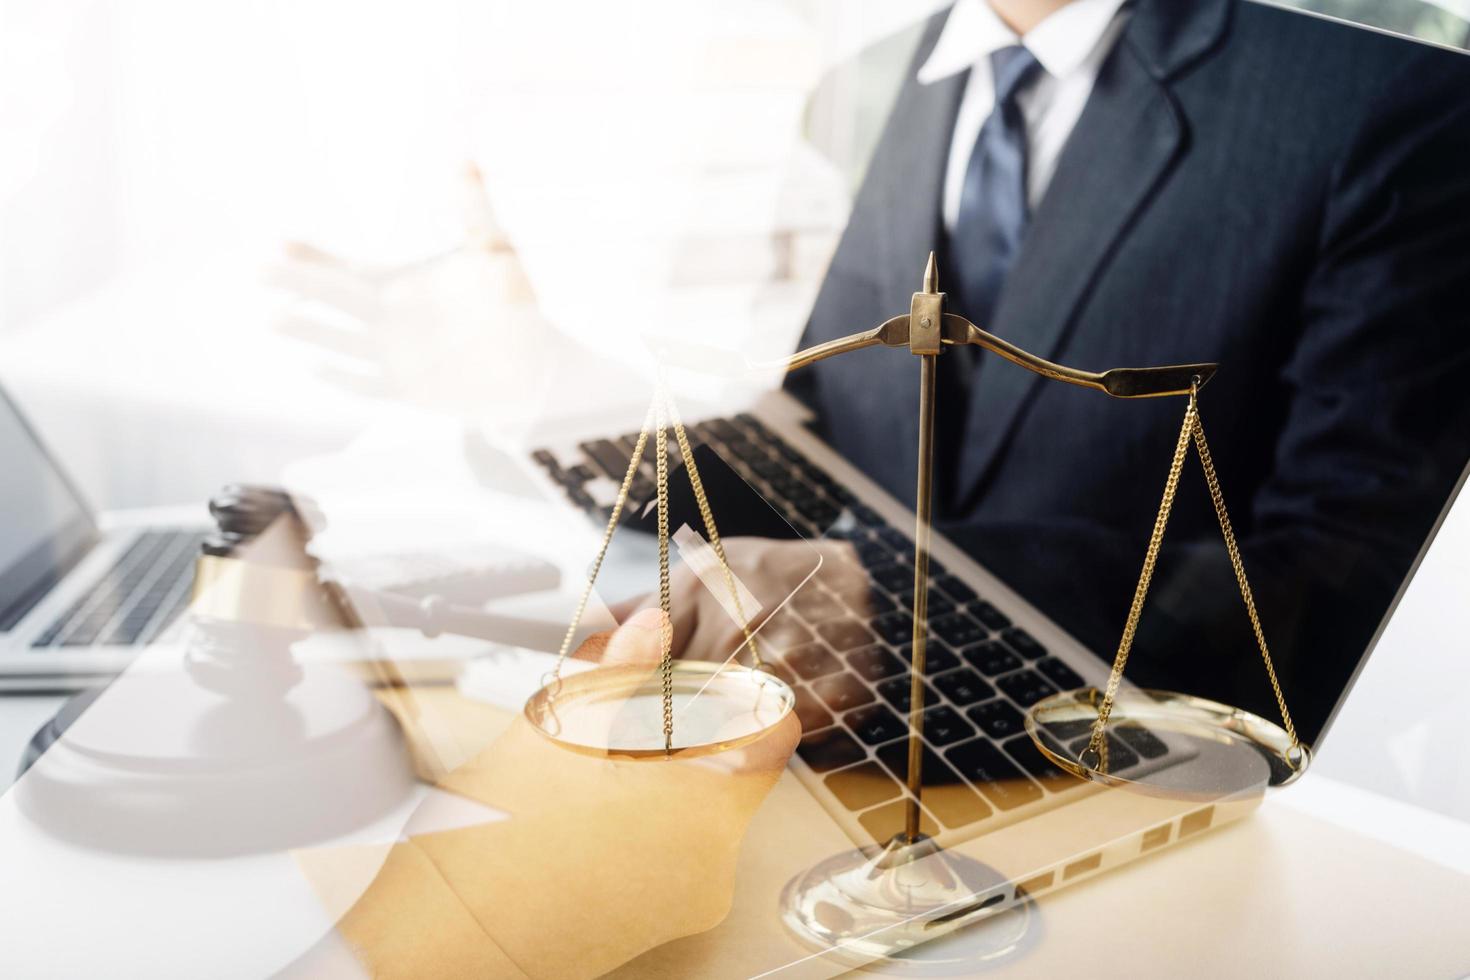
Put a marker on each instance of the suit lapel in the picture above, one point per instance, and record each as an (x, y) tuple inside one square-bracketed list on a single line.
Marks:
[(909, 197), (912, 191), (1122, 146)]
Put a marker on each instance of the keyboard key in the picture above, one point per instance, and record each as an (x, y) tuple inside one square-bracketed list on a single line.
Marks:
[(863, 786), (830, 749), (1068, 730), (992, 658), (997, 718), (939, 603), (1060, 674), (1145, 742), (937, 657), (817, 605), (943, 725), (753, 424), (809, 711), (126, 630), (845, 634), (812, 660), (85, 632), (888, 821), (722, 429), (951, 586), (1120, 757), (790, 487), (785, 632), (842, 691), (1025, 687), (897, 693), (994, 774), (945, 794), (895, 627), (766, 467), (608, 455), (1024, 751), (52, 632), (872, 553), (875, 724), (895, 755), (820, 512), (963, 687), (958, 630), (895, 539), (1023, 643), (895, 578), (875, 663), (992, 617), (874, 603)]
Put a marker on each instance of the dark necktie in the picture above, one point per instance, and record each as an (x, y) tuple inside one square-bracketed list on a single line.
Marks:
[(983, 245), (993, 212)]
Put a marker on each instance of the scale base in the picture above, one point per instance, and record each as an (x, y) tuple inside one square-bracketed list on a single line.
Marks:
[(879, 904)]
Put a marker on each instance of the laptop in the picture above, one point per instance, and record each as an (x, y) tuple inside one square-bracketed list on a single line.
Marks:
[(987, 791), (79, 594)]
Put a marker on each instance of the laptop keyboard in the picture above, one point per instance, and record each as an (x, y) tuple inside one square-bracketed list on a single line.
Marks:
[(851, 673), (137, 599)]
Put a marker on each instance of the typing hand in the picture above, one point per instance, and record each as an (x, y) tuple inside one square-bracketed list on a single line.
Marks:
[(704, 627), (459, 333)]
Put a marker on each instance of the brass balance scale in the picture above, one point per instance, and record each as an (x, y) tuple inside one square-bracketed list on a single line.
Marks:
[(897, 891)]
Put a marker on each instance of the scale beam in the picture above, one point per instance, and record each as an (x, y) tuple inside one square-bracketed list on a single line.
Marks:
[(1150, 382)]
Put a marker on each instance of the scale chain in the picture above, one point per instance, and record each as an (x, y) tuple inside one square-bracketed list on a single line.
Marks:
[(1192, 429), (612, 523), (665, 595), (1235, 560), (708, 517)]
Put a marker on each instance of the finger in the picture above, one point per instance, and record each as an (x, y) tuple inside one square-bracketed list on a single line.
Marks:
[(357, 382), (638, 642), (348, 341), (482, 227), (297, 251), (767, 755), (628, 608), (333, 285), (593, 648), (773, 750)]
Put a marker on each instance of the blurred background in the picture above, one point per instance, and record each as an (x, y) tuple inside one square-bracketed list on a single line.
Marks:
[(688, 162)]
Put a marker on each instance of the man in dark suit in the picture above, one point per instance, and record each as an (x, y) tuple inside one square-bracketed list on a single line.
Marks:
[(1285, 195)]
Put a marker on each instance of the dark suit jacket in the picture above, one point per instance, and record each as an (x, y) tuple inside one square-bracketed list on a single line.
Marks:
[(1285, 195)]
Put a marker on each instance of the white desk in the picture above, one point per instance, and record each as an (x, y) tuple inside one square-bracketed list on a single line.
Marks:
[(20, 716)]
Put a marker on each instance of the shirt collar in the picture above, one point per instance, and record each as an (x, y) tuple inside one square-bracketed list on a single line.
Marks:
[(1061, 43)]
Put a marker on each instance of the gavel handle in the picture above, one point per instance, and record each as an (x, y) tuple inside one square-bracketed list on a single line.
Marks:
[(434, 616)]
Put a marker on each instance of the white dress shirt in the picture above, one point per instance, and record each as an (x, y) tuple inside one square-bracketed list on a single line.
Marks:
[(1070, 45)]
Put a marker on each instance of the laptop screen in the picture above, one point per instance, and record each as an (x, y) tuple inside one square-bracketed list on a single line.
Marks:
[(47, 528)]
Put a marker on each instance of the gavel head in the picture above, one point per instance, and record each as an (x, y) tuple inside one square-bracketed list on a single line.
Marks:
[(260, 524), (256, 591)]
